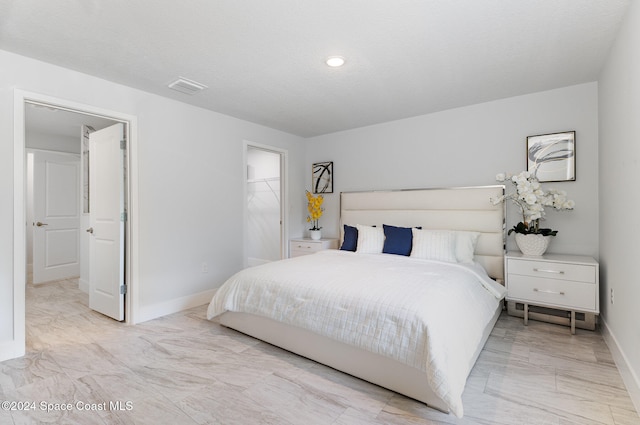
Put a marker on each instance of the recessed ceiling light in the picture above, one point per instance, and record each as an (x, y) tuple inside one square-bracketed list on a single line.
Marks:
[(335, 61)]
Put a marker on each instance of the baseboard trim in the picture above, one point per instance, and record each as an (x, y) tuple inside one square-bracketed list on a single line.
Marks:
[(252, 261), (629, 376), (173, 306), (11, 350), (83, 285)]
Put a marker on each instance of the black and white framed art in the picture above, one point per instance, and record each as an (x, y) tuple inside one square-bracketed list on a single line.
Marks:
[(322, 177), (552, 157)]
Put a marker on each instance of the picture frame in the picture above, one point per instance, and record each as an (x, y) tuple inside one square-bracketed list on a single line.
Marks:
[(552, 157), (322, 177)]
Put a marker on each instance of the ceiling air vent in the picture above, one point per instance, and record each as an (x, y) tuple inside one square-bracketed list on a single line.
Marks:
[(186, 86)]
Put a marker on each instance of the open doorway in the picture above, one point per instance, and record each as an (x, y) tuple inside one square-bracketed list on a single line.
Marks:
[(57, 185), (265, 204), (22, 226)]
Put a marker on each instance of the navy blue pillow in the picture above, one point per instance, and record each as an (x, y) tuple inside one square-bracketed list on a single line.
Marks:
[(398, 240), (350, 242)]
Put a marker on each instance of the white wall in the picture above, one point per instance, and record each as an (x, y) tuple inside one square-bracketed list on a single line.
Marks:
[(469, 146), (619, 96), (190, 182), (52, 142)]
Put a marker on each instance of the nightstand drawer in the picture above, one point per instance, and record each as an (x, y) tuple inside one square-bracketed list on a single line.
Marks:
[(298, 247), (306, 247), (550, 292), (552, 270)]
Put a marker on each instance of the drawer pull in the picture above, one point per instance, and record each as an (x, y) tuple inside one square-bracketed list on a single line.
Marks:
[(546, 291), (548, 271), (305, 247)]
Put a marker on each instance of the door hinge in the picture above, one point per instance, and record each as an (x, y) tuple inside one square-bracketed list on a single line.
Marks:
[(123, 144), (123, 216), (123, 289)]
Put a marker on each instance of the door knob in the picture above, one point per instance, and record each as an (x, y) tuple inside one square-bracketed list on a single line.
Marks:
[(40, 224), (90, 230)]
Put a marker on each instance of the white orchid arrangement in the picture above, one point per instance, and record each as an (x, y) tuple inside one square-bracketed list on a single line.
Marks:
[(532, 199)]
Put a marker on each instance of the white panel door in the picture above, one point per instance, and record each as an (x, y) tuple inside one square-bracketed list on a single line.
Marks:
[(106, 206), (56, 212)]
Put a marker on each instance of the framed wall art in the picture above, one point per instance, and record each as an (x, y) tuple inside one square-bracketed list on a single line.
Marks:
[(552, 157), (322, 177)]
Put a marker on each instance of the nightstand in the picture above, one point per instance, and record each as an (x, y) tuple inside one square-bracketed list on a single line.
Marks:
[(305, 246), (561, 283)]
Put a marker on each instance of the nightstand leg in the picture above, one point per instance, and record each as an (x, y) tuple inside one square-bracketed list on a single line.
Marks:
[(573, 322), (526, 314)]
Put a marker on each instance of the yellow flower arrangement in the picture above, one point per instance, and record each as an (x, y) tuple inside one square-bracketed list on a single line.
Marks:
[(314, 205)]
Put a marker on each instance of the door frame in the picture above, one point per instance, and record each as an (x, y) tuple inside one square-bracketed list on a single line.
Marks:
[(284, 197), (20, 99)]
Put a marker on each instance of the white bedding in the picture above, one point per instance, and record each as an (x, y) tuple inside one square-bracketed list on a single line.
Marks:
[(426, 314)]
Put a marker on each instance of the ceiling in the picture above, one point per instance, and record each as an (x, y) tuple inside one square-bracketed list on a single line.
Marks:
[(263, 61), (58, 122)]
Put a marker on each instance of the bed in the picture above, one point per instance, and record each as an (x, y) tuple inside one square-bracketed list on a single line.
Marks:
[(413, 323)]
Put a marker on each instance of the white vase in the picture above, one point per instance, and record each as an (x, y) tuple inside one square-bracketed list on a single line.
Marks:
[(315, 234), (532, 245)]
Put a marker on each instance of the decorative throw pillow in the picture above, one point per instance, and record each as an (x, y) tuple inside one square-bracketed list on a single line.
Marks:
[(350, 239), (398, 240), (370, 239), (466, 245), (437, 245)]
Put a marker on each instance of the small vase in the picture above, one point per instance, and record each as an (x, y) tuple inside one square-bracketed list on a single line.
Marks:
[(532, 245), (315, 234)]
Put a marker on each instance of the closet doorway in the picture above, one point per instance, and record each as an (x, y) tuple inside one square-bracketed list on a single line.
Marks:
[(265, 204)]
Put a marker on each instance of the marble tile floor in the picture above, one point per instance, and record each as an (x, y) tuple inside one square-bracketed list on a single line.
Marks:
[(183, 369)]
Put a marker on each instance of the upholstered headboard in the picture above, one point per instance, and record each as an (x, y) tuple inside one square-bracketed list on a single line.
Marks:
[(459, 208)]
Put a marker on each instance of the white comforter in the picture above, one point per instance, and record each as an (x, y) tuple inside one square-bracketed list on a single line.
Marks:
[(429, 315)]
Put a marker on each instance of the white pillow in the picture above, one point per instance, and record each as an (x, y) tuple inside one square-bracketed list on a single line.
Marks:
[(370, 239), (466, 245), (434, 245)]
